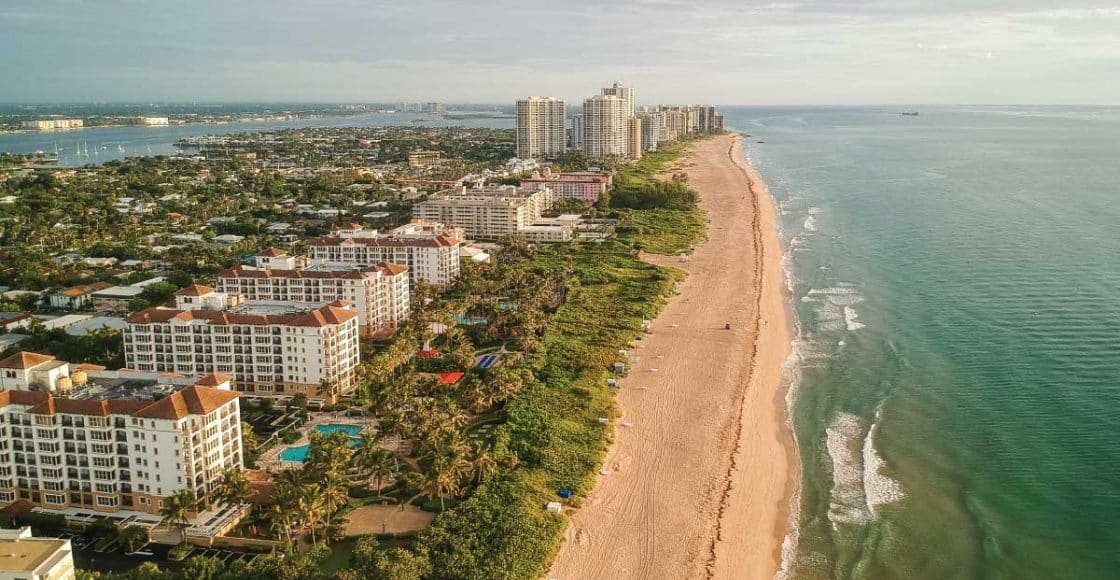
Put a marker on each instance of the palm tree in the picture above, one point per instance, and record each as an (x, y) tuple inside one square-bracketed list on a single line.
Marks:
[(234, 487), (380, 466), (311, 506), (176, 511), (483, 464), (334, 491)]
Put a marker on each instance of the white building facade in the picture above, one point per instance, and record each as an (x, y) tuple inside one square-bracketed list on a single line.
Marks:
[(379, 293), (269, 349), (433, 258), (541, 132), (605, 126), (94, 449)]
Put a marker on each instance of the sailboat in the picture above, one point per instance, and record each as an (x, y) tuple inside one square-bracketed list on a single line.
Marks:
[(120, 148)]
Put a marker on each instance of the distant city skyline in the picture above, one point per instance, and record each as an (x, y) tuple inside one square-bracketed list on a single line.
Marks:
[(723, 52)]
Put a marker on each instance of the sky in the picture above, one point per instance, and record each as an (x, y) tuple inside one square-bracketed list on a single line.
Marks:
[(493, 51)]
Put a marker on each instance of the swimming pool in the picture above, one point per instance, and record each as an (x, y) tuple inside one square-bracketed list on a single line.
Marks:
[(298, 454), (351, 430)]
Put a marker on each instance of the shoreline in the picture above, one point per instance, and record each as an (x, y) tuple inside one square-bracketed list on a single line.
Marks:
[(703, 407)]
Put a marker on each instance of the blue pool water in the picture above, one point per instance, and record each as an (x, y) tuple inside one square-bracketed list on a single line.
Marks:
[(295, 453), (351, 430), (299, 452)]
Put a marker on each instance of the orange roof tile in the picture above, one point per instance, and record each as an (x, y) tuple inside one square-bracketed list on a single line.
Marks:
[(195, 290), (25, 360)]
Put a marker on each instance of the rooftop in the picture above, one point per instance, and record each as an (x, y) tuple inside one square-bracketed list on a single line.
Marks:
[(27, 554)]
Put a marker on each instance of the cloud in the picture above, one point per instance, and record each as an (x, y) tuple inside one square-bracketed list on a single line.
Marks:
[(728, 51)]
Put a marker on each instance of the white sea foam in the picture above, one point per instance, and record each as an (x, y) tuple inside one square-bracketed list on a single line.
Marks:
[(879, 489), (810, 224), (848, 503), (859, 485), (851, 319), (814, 210)]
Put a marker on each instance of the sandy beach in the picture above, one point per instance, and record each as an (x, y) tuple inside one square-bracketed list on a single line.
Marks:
[(697, 483)]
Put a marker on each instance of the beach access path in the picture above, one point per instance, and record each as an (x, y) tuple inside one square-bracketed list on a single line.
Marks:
[(698, 480)]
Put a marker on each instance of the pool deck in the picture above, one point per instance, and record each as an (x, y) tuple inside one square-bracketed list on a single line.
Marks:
[(271, 459)]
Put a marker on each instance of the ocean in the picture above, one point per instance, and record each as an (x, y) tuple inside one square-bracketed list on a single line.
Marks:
[(956, 387)]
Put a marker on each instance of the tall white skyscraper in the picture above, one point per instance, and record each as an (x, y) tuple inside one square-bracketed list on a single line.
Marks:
[(605, 126), (540, 128), (624, 93)]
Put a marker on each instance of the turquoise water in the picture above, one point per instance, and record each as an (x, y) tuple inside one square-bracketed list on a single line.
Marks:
[(299, 452), (351, 430), (957, 392)]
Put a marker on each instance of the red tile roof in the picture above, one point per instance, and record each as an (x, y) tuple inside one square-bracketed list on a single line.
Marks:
[(195, 290), (387, 242), (271, 253), (191, 400), (319, 317), (25, 360), (76, 291)]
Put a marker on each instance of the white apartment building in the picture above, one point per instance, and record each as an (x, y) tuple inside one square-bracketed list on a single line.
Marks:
[(379, 293), (271, 349), (488, 212), (540, 128), (624, 93), (605, 126), (430, 252), (109, 441), (25, 557)]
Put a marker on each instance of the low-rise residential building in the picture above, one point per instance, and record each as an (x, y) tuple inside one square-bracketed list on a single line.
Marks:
[(51, 124), (431, 256), (77, 297), (25, 557), (424, 158), (486, 213), (116, 440), (271, 349), (379, 293), (584, 185)]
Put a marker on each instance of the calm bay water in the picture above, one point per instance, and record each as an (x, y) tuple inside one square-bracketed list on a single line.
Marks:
[(956, 277), (101, 144)]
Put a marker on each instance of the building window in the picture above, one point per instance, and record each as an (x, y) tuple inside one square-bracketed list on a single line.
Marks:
[(54, 499)]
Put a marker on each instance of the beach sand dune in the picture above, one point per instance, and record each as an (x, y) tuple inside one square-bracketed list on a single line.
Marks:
[(698, 480)]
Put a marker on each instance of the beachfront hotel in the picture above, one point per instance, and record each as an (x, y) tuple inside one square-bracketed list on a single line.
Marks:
[(430, 251), (541, 133), (270, 349), (488, 212), (605, 126), (583, 185), (379, 293), (107, 441)]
